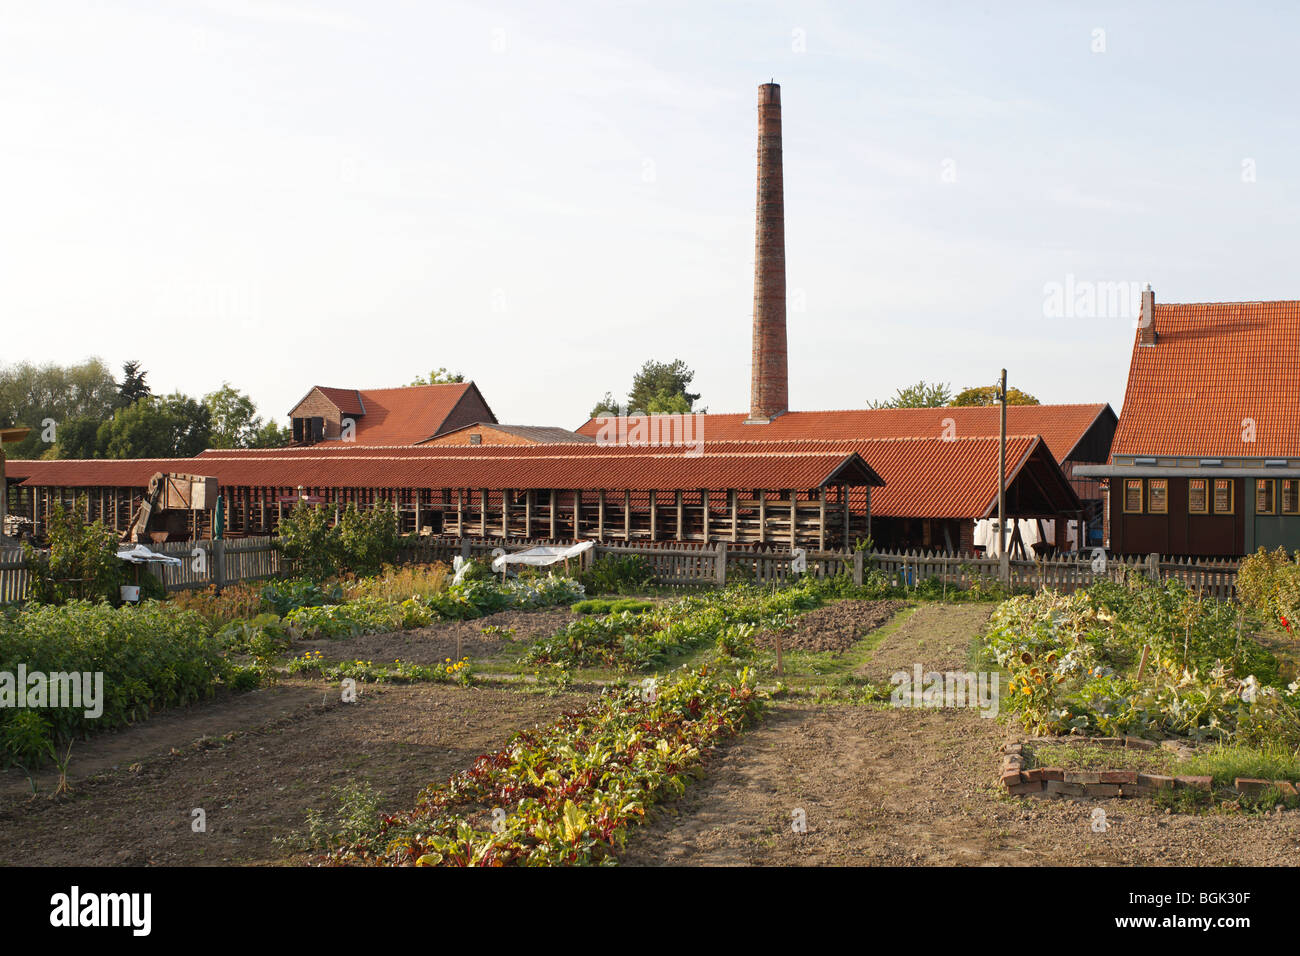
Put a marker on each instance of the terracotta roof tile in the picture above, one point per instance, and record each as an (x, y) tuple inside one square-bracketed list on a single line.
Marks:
[(924, 477), (1061, 426), (1215, 367)]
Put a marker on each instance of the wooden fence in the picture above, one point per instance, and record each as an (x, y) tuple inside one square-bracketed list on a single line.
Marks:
[(203, 564), (208, 563)]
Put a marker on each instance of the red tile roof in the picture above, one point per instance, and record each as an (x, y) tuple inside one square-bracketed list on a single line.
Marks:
[(520, 467), (1215, 366), (1061, 426), (348, 400), (397, 416), (925, 477)]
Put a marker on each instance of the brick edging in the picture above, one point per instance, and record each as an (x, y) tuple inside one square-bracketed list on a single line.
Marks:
[(1097, 784)]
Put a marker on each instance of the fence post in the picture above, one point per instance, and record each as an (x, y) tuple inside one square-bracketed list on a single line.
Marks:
[(1153, 567), (218, 569), (857, 569), (720, 566), (464, 549), (1004, 568)]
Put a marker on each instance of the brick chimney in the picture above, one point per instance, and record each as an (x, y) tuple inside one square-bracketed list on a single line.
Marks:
[(1147, 320), (768, 396)]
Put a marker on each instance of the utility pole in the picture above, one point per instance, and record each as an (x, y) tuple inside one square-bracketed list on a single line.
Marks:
[(1002, 467)]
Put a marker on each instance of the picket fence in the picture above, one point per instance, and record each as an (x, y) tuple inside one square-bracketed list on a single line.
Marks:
[(676, 564)]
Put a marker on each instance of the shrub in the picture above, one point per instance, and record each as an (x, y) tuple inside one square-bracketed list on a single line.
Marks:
[(308, 542), (1269, 582), (618, 574), (367, 540), (82, 562)]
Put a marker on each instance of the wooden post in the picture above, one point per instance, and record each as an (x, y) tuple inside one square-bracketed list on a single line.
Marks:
[(505, 514), (654, 515), (821, 521), (734, 497), (720, 565), (704, 510), (529, 497), (762, 515), (218, 571), (857, 568), (1002, 466), (627, 515), (794, 518), (681, 534), (600, 515), (552, 510), (577, 517)]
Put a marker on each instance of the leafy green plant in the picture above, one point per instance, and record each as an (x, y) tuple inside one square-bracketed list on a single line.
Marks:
[(82, 562), (566, 794), (618, 574)]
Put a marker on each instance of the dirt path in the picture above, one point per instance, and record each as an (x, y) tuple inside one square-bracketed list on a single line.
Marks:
[(883, 786), (288, 751)]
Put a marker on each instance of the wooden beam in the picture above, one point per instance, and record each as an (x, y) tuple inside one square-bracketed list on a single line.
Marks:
[(554, 498), (704, 511), (600, 515), (627, 515), (654, 515), (681, 535), (821, 521), (794, 519)]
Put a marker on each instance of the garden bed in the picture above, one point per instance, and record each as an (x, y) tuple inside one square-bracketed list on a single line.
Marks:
[(479, 639), (835, 627)]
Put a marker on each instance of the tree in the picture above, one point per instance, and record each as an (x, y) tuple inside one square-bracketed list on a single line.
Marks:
[(133, 386), (78, 438), (988, 395), (439, 376), (235, 422), (272, 435), (47, 397), (657, 388), (174, 426), (920, 395)]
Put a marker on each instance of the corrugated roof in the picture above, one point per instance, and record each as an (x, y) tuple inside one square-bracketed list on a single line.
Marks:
[(1061, 426), (1215, 368)]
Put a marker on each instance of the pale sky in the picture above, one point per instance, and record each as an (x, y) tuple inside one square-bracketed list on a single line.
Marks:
[(542, 196)]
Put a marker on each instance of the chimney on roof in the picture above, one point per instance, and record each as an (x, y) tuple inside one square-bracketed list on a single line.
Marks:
[(768, 396), (1147, 320)]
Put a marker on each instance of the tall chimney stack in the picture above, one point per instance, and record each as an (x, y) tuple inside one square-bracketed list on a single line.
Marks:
[(768, 392)]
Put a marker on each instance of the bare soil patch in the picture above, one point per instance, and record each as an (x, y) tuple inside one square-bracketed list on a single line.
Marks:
[(259, 784), (429, 645), (835, 627)]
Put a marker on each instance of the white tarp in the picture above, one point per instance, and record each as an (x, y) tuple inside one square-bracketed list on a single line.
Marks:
[(986, 533), (142, 555), (543, 555)]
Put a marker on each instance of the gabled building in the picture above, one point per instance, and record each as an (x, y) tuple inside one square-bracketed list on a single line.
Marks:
[(386, 416), (1206, 458)]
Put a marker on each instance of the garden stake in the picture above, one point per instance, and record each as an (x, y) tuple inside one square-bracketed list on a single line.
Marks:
[(1146, 649)]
